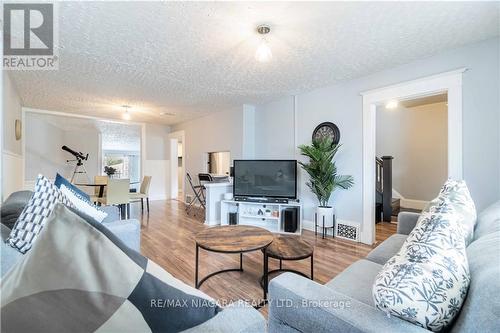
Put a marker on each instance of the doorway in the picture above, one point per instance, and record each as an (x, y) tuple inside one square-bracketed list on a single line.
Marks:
[(219, 163), (177, 156), (412, 143), (449, 83)]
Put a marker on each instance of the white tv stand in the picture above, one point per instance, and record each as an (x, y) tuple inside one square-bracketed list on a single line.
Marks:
[(254, 214)]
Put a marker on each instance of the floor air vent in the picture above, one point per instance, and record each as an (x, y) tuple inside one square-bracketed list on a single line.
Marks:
[(347, 231)]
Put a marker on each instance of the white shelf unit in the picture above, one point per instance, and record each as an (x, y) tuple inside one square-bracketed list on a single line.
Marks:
[(254, 214)]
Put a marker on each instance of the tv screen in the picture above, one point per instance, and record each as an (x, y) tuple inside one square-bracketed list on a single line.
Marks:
[(265, 178)]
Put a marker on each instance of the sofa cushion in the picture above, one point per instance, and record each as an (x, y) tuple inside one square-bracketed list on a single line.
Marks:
[(427, 281), (35, 214), (457, 193), (488, 221), (356, 281), (9, 255), (481, 309), (387, 249), (86, 280), (13, 206)]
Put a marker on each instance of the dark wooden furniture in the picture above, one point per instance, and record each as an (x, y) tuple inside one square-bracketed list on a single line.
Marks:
[(230, 239), (286, 248)]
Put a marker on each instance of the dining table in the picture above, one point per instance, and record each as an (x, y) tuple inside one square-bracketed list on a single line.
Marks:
[(101, 187)]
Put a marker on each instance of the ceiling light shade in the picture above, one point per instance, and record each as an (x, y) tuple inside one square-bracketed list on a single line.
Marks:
[(263, 53), (126, 114), (392, 104)]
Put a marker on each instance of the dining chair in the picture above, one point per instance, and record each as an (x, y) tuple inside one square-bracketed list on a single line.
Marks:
[(98, 180), (117, 193), (198, 194), (143, 193)]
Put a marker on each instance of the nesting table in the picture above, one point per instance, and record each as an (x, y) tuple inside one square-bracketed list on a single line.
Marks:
[(241, 239), (286, 248), (230, 239)]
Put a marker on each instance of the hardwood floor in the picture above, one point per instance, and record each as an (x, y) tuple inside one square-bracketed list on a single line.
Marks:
[(168, 239)]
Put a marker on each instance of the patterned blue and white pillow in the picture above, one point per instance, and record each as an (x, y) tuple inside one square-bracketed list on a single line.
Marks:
[(83, 205), (60, 180), (35, 213), (457, 193), (427, 280)]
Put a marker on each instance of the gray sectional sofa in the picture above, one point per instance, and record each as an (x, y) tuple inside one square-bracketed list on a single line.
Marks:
[(237, 317), (345, 303), (128, 231)]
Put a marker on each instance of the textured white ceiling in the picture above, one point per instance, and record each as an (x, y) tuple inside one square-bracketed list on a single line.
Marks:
[(192, 58)]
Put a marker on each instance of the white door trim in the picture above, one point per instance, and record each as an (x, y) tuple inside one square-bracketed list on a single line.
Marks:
[(450, 82), (177, 136)]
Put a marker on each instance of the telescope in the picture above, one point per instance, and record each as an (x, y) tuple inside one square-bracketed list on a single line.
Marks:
[(79, 155), (79, 167)]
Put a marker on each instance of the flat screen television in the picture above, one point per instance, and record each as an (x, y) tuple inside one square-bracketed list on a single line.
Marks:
[(265, 178)]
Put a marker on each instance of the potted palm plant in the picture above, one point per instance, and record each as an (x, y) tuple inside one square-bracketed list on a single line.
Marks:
[(323, 177)]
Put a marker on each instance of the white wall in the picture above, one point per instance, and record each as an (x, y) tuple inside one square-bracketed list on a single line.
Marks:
[(156, 162), (275, 128), (11, 111), (11, 148), (43, 151), (417, 139), (342, 104), (221, 131)]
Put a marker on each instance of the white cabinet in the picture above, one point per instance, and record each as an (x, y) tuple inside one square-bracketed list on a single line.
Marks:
[(265, 215)]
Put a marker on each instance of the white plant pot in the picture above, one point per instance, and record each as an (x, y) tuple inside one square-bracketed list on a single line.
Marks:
[(327, 214)]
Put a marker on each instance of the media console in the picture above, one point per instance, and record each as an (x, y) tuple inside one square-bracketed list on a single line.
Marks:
[(262, 200), (273, 216)]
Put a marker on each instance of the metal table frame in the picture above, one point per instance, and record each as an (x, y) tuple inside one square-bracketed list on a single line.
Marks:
[(198, 283)]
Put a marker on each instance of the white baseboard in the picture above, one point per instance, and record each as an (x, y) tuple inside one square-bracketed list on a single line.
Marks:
[(413, 204)]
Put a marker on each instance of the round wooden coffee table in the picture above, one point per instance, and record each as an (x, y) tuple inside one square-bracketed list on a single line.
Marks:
[(230, 239), (286, 248)]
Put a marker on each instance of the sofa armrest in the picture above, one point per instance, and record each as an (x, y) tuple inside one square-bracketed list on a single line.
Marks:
[(297, 303), (128, 231), (406, 222), (238, 317), (113, 213)]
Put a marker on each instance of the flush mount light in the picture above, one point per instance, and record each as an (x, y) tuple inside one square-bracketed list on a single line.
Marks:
[(126, 114), (167, 114), (392, 104), (263, 53)]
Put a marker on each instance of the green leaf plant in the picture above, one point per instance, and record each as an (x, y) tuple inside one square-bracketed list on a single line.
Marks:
[(323, 177)]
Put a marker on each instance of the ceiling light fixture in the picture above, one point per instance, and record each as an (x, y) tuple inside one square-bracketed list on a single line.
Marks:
[(126, 114), (167, 114), (392, 104), (263, 53)]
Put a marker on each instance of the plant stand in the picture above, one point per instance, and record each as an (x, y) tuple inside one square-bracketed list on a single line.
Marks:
[(316, 225)]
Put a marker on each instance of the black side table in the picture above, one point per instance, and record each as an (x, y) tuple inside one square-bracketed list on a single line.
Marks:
[(286, 248)]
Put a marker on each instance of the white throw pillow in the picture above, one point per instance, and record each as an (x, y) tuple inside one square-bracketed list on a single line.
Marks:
[(427, 280), (458, 194), (35, 213), (83, 205)]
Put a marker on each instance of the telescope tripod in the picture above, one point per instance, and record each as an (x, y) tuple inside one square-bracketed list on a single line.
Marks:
[(79, 169)]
